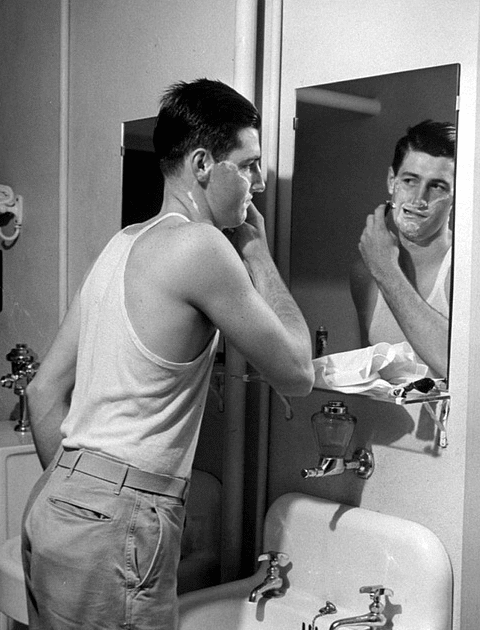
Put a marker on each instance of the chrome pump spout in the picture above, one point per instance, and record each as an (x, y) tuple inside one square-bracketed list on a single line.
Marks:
[(273, 582), (362, 463), (327, 467)]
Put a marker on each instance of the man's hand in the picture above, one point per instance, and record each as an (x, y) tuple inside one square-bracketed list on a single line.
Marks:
[(378, 245), (248, 237)]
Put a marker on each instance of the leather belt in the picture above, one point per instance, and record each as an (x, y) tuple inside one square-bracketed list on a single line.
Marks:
[(121, 474)]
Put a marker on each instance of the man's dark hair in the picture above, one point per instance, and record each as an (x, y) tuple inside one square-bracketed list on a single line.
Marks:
[(202, 113), (435, 138)]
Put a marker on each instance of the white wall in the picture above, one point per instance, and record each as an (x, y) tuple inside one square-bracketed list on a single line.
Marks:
[(29, 138), (325, 42), (123, 55)]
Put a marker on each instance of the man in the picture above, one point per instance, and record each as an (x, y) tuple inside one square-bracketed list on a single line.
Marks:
[(401, 285), (123, 388)]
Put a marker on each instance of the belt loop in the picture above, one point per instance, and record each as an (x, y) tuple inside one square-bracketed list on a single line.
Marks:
[(57, 457), (186, 490), (75, 462), (121, 481)]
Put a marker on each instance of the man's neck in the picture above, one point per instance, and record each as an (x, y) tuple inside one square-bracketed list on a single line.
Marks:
[(185, 199), (426, 254)]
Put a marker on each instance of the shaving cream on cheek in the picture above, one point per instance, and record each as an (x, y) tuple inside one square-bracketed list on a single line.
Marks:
[(194, 203), (233, 167), (229, 192)]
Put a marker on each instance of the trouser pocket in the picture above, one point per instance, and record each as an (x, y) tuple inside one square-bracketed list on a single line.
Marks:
[(153, 545), (79, 510)]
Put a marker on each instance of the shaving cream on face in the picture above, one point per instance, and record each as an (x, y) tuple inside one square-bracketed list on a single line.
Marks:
[(420, 222), (229, 194), (233, 167)]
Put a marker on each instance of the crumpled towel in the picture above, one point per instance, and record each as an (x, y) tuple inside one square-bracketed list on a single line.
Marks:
[(374, 369)]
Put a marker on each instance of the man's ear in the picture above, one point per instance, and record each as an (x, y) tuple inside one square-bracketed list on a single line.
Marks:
[(390, 180), (201, 163)]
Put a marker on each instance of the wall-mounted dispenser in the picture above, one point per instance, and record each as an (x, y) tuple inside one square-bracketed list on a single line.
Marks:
[(333, 428), (11, 208)]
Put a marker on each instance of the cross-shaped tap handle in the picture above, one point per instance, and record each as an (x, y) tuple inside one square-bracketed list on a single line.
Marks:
[(376, 592), (274, 557)]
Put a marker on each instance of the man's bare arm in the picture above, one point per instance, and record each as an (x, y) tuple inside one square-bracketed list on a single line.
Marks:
[(424, 327), (254, 310), (48, 394), (251, 243), (364, 291)]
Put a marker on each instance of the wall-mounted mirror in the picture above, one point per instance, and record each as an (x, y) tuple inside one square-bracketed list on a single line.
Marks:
[(142, 181), (345, 139)]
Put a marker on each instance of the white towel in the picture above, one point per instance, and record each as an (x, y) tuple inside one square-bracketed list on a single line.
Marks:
[(374, 369)]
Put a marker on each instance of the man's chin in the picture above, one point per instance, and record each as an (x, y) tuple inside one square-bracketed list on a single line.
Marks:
[(241, 220), (411, 230), (232, 226)]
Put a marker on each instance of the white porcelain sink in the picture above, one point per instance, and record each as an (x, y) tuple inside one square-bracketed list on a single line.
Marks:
[(227, 607), (334, 550), (19, 470), (13, 602)]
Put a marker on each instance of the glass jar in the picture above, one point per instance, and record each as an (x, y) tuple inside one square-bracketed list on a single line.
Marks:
[(333, 428)]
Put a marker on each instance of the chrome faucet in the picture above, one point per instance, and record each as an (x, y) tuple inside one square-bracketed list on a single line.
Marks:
[(24, 368), (370, 620), (273, 582), (375, 618)]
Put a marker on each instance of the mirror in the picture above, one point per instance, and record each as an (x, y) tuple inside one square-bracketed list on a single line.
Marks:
[(142, 181), (345, 138)]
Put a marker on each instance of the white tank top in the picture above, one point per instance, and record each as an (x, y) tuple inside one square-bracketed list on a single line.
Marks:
[(384, 326), (128, 402)]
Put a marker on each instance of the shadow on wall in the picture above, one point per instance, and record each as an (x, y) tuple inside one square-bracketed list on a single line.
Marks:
[(378, 424)]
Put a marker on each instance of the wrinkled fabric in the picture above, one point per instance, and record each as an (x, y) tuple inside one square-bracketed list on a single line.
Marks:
[(369, 370)]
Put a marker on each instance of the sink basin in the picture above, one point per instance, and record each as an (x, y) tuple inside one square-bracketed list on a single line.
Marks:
[(12, 581), (227, 607), (334, 550), (19, 470)]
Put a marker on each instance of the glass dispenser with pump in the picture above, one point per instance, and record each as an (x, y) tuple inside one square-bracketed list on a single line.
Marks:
[(333, 428)]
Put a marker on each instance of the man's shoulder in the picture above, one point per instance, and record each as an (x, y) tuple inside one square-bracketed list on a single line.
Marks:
[(200, 238), (183, 235), (191, 246)]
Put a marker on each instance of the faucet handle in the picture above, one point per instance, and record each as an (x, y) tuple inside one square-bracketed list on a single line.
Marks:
[(276, 558), (376, 592)]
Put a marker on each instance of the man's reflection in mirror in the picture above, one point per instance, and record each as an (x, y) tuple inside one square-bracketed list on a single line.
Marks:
[(401, 283)]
